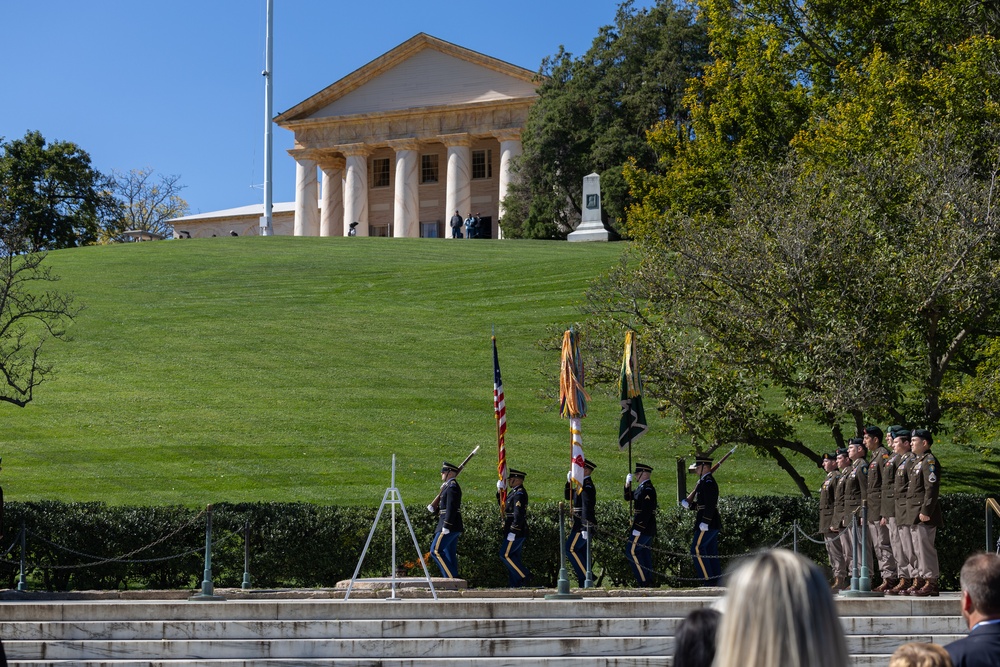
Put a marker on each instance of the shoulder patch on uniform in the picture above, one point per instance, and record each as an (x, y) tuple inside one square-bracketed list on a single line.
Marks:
[(932, 478)]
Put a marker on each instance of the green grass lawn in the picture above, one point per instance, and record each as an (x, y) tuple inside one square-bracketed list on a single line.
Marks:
[(292, 369)]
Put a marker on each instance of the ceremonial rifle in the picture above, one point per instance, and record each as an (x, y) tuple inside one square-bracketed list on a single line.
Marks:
[(433, 507)]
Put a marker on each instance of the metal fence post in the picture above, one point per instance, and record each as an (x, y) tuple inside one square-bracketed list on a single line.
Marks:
[(22, 582), (207, 589), (246, 555)]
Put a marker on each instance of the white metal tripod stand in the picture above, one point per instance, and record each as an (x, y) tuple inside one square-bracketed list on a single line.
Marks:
[(393, 498)]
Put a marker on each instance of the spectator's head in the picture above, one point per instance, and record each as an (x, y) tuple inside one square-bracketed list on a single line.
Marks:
[(980, 581), (694, 641), (779, 611), (919, 654)]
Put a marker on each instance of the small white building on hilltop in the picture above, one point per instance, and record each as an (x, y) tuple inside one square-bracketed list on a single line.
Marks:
[(398, 146)]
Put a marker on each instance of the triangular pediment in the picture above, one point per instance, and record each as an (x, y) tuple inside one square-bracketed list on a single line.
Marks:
[(422, 72)]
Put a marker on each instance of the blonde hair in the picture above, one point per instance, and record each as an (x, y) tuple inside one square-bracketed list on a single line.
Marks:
[(779, 613), (919, 654)]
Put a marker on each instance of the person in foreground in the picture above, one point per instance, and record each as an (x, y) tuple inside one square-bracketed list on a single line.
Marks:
[(694, 641), (779, 612), (919, 654), (980, 580)]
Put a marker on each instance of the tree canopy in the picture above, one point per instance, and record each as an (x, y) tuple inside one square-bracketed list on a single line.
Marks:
[(821, 243), (593, 113), (50, 195)]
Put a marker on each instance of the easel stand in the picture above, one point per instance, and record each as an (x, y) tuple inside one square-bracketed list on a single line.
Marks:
[(392, 498)]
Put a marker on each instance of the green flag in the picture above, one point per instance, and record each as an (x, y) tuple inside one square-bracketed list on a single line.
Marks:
[(633, 421)]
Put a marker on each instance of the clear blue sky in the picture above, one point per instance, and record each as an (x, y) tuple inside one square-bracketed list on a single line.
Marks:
[(176, 86)]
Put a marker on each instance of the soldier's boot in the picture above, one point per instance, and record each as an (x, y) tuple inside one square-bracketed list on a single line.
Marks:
[(886, 585), (917, 584), (901, 585), (835, 584), (929, 589)]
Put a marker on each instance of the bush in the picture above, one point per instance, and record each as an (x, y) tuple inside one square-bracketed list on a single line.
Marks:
[(78, 546)]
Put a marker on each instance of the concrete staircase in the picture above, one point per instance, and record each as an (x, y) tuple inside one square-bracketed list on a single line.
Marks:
[(603, 631)]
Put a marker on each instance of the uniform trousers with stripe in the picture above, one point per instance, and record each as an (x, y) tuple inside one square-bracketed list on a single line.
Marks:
[(640, 557), (704, 553), (444, 551), (510, 554)]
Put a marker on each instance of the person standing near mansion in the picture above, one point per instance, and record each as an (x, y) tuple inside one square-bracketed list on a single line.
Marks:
[(830, 536), (456, 225), (878, 532), (924, 513)]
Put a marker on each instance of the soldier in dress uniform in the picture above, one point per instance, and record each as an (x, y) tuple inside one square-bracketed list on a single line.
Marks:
[(707, 523), (444, 546), (584, 522), (888, 520), (925, 511), (855, 495), (877, 531), (906, 560), (826, 529), (839, 515), (643, 526), (515, 529)]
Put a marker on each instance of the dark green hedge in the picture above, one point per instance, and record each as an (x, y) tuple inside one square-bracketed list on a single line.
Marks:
[(304, 545)]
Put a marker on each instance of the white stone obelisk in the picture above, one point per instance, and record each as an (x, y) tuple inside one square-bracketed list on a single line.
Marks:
[(590, 228)]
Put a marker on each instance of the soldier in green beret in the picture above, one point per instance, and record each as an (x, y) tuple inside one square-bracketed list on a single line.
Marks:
[(906, 560), (877, 530), (826, 527)]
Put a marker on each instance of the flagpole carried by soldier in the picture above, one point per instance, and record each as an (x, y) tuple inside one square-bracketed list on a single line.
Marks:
[(579, 488)]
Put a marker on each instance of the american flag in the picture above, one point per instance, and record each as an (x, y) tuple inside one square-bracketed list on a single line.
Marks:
[(500, 412)]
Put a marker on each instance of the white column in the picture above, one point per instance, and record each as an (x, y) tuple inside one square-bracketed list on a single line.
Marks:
[(356, 187), (331, 219), (459, 191), (406, 204), (510, 148), (306, 198)]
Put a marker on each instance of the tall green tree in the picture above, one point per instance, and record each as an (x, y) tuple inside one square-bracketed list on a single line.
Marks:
[(52, 197), (593, 113), (825, 232)]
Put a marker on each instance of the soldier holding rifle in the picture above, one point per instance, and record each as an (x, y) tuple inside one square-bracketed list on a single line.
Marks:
[(448, 506), (707, 524)]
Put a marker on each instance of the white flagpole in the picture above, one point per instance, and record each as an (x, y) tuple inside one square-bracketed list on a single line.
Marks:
[(265, 221)]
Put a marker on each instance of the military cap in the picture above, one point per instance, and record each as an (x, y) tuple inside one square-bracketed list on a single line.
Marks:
[(516, 473), (875, 432), (894, 429), (902, 433), (449, 467), (856, 441), (923, 434), (700, 459), (841, 452), (642, 467), (587, 463), (827, 456)]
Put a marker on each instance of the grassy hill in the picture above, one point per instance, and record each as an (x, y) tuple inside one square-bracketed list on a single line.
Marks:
[(242, 369)]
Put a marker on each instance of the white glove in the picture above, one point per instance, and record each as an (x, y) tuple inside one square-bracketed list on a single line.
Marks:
[(628, 479), (685, 504), (583, 534), (635, 533), (500, 485), (445, 531), (569, 476), (430, 508), (703, 526), (510, 537)]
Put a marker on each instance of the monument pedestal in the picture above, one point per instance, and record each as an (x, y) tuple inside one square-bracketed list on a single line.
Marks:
[(591, 227), (589, 231)]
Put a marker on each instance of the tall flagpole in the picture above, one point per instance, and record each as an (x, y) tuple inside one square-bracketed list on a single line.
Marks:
[(265, 220)]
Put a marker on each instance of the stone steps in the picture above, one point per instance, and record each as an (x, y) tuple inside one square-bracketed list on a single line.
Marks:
[(478, 632)]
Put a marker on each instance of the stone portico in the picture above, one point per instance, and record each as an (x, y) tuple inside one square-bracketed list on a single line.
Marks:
[(403, 142)]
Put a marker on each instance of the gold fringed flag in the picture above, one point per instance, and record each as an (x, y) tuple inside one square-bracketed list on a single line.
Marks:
[(633, 422), (573, 402), (500, 412)]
